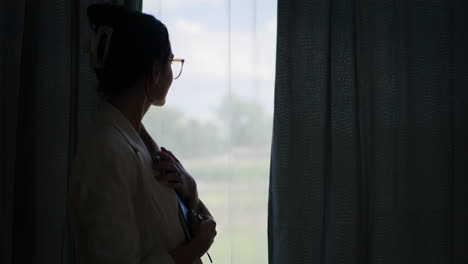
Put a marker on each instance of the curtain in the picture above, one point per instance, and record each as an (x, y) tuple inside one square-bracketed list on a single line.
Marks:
[(47, 100), (370, 143), (36, 67), (9, 82)]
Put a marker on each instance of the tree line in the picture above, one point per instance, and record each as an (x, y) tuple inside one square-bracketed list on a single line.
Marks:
[(240, 123)]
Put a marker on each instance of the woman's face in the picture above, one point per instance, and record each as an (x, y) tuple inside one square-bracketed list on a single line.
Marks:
[(162, 80)]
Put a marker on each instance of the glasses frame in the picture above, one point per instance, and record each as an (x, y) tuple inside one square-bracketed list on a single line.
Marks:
[(181, 66)]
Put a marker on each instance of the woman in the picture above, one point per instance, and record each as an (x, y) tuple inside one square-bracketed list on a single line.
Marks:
[(129, 199)]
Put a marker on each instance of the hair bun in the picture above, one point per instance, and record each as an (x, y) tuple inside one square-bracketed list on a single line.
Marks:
[(106, 14)]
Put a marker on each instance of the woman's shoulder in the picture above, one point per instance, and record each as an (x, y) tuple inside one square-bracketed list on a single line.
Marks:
[(103, 141), (103, 155)]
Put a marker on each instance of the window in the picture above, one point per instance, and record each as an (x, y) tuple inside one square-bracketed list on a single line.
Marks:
[(218, 114)]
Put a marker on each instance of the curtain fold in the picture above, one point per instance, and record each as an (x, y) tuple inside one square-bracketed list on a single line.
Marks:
[(370, 153), (43, 133), (48, 97), (10, 45)]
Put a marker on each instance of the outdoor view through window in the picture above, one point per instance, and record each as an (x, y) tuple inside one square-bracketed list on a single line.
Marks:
[(218, 114)]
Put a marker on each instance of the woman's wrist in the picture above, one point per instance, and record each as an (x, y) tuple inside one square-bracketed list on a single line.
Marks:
[(201, 209), (194, 204), (188, 253)]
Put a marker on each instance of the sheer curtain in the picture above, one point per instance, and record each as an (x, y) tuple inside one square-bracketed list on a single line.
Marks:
[(218, 115), (370, 142)]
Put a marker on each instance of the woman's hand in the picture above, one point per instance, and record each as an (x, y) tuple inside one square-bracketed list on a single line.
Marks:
[(176, 177), (203, 230)]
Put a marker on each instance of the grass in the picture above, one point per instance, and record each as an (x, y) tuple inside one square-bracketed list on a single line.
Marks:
[(236, 192)]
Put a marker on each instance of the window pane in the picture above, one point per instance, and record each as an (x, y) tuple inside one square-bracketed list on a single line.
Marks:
[(218, 114)]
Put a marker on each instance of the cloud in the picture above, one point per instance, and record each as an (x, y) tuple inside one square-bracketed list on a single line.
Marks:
[(191, 28), (201, 38), (155, 5), (207, 50), (179, 3)]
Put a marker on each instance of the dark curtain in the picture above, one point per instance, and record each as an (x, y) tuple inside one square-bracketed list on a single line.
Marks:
[(11, 28), (47, 100), (370, 144)]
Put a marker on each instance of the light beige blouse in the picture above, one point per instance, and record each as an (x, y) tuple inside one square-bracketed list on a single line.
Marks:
[(119, 212)]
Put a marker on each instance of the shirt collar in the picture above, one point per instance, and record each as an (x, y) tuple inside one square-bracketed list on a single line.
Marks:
[(109, 113)]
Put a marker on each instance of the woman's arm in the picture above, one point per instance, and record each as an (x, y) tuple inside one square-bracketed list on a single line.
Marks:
[(202, 209), (187, 253), (204, 232), (190, 252)]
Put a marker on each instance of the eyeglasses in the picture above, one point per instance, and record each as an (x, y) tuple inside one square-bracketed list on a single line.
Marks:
[(177, 65)]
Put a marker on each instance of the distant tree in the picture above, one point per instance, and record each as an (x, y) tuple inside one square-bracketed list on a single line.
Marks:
[(187, 138), (244, 122)]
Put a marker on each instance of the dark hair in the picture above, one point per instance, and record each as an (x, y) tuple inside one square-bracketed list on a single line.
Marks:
[(138, 42)]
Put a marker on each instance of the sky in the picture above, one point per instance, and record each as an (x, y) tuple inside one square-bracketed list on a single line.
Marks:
[(219, 61)]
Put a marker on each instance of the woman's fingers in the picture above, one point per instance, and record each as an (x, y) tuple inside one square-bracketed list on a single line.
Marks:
[(211, 221), (168, 172), (170, 153), (211, 226), (170, 178), (207, 217), (174, 186), (167, 166), (165, 156)]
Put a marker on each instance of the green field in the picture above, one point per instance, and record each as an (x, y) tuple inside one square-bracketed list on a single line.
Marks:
[(236, 192)]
